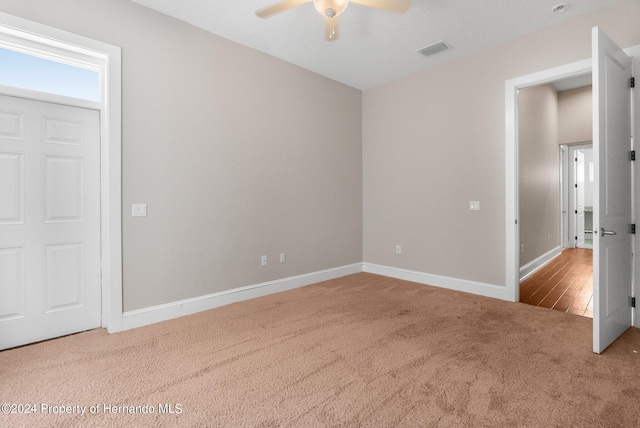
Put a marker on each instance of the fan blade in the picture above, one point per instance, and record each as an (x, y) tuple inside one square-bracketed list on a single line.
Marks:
[(331, 28), (395, 6), (280, 7)]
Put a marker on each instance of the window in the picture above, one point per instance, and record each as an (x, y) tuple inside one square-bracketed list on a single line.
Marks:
[(43, 75)]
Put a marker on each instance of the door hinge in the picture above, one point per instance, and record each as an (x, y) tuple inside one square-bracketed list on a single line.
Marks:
[(632, 82), (633, 229), (632, 155), (633, 302)]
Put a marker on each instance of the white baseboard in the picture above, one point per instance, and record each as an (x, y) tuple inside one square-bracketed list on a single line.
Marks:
[(473, 287), (159, 313), (536, 264), (154, 314)]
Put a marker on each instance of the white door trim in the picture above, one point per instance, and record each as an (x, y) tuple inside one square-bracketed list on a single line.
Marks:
[(51, 43), (512, 86), (511, 156)]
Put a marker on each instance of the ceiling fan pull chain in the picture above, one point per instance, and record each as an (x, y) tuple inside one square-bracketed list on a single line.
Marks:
[(331, 14)]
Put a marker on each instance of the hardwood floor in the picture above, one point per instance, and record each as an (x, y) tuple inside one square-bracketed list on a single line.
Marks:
[(564, 284)]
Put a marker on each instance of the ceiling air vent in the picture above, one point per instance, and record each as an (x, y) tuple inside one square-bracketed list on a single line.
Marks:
[(434, 48)]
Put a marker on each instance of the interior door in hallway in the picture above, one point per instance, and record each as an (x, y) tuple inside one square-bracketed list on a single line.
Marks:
[(50, 281), (580, 195), (612, 255)]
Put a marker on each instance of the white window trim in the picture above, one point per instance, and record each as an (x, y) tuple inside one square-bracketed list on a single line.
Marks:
[(50, 43)]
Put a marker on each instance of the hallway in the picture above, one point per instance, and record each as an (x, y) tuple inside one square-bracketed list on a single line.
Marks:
[(564, 284)]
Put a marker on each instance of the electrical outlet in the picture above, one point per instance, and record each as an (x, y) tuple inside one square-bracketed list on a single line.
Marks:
[(474, 205), (264, 260), (398, 249), (283, 257)]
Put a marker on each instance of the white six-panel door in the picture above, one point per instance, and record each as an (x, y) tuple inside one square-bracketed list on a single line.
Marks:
[(612, 249), (49, 220)]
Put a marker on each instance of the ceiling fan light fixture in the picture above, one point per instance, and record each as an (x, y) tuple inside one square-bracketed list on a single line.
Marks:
[(330, 8)]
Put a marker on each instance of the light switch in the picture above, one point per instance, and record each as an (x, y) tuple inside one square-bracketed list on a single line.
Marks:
[(474, 205), (139, 210)]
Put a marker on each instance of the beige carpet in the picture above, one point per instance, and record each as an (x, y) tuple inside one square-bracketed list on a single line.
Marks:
[(363, 350)]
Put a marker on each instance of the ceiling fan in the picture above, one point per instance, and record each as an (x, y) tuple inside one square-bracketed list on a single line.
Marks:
[(331, 9)]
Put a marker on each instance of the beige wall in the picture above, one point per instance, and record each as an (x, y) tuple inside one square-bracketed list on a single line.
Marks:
[(435, 140), (236, 153), (576, 112), (538, 171)]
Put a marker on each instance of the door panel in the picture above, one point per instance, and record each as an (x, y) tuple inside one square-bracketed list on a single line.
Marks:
[(12, 292), (64, 277), (612, 268), (49, 220), (12, 191), (11, 125), (58, 131), (63, 182)]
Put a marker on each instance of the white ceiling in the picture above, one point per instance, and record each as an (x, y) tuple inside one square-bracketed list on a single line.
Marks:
[(373, 47)]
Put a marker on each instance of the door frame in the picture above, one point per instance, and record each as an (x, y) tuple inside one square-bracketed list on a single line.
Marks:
[(512, 231), (512, 228), (51, 43)]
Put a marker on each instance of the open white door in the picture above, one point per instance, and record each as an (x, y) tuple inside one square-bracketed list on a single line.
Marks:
[(612, 250)]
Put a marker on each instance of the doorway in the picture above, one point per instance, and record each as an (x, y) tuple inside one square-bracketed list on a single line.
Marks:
[(577, 186), (29, 37), (555, 195), (613, 200), (512, 157)]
